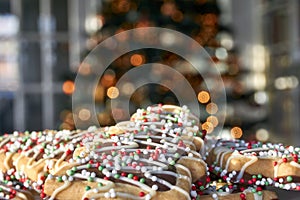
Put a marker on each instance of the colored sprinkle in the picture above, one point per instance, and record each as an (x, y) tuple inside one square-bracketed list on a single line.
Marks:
[(59, 179), (130, 176), (87, 188), (289, 179), (100, 168), (142, 180), (90, 179)]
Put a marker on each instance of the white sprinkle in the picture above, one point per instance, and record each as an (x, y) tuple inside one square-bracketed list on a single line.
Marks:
[(281, 180), (154, 178), (93, 174), (70, 179), (214, 196), (287, 187), (154, 187), (106, 194), (193, 193), (148, 197)]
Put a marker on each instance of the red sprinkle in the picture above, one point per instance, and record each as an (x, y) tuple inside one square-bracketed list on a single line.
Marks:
[(42, 195), (207, 179), (275, 163), (142, 194), (123, 174), (243, 196), (284, 159)]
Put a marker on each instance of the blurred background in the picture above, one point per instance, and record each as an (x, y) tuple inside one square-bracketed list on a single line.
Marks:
[(254, 44)]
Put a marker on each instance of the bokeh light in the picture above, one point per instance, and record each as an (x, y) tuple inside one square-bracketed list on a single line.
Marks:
[(214, 120), (208, 126), (236, 132), (84, 114), (112, 92), (212, 108), (137, 60), (68, 87), (262, 135), (203, 97)]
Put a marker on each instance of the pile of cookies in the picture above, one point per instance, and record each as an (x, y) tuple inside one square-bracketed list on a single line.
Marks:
[(160, 153)]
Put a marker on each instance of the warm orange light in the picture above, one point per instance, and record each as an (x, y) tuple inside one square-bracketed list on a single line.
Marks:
[(208, 126), (214, 120), (85, 69), (68, 87), (84, 114), (236, 132), (137, 59), (203, 97), (112, 92), (212, 108)]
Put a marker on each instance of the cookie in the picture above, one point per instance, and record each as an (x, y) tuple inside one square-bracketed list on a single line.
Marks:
[(256, 163)]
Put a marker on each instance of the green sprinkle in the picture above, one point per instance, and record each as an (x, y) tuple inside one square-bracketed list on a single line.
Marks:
[(289, 179), (172, 162), (201, 187), (117, 176), (130, 176), (70, 172), (100, 168), (87, 188), (176, 155), (259, 176), (220, 181), (123, 164), (100, 184), (90, 179), (220, 190), (266, 183), (74, 169), (253, 190), (142, 180), (89, 165), (259, 193), (59, 179), (1, 189), (254, 176), (281, 185), (114, 153)]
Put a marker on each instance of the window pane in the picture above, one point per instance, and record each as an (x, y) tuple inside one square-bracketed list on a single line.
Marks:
[(30, 62), (33, 112)]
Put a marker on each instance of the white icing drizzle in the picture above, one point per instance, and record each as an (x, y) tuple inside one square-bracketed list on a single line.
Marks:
[(252, 160), (7, 159), (293, 163), (60, 189)]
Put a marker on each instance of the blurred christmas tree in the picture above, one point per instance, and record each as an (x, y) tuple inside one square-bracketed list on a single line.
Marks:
[(197, 19)]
